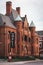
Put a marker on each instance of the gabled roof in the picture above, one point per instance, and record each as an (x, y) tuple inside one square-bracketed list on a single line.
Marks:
[(32, 24), (6, 20), (18, 18)]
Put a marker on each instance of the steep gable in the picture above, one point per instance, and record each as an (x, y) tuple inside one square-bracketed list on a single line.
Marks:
[(25, 23), (13, 15)]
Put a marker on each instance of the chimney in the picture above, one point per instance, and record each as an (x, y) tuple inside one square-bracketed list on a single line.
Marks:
[(18, 10), (8, 7)]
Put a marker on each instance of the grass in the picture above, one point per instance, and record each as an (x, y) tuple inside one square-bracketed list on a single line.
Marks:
[(15, 59), (23, 58)]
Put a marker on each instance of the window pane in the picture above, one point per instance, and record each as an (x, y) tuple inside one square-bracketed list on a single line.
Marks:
[(25, 38), (40, 44), (29, 40), (18, 36)]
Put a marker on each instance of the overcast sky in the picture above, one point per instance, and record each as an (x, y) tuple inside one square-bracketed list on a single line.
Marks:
[(32, 8)]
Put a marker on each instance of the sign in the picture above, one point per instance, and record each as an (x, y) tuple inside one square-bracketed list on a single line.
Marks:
[(12, 39)]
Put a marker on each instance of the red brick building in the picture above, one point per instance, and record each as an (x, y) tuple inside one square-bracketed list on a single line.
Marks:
[(40, 33), (16, 36)]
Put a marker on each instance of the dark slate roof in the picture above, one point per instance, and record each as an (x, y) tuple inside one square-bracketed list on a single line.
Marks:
[(9, 19), (23, 19), (13, 15), (39, 32), (6, 20)]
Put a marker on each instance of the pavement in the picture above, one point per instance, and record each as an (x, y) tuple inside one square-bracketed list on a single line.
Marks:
[(5, 62)]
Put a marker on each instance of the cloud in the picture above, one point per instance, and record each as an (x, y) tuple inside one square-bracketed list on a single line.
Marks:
[(32, 8)]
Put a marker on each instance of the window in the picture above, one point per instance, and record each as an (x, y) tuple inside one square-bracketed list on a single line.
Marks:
[(18, 36), (25, 38), (9, 35), (36, 49), (9, 48), (22, 24), (40, 38), (32, 50), (32, 40), (40, 44), (37, 40), (29, 39), (18, 48), (18, 26)]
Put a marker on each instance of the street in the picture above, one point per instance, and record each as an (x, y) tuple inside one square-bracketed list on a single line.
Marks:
[(22, 63), (34, 63)]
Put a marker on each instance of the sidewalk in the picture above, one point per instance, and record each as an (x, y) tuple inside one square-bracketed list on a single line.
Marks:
[(5, 62)]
